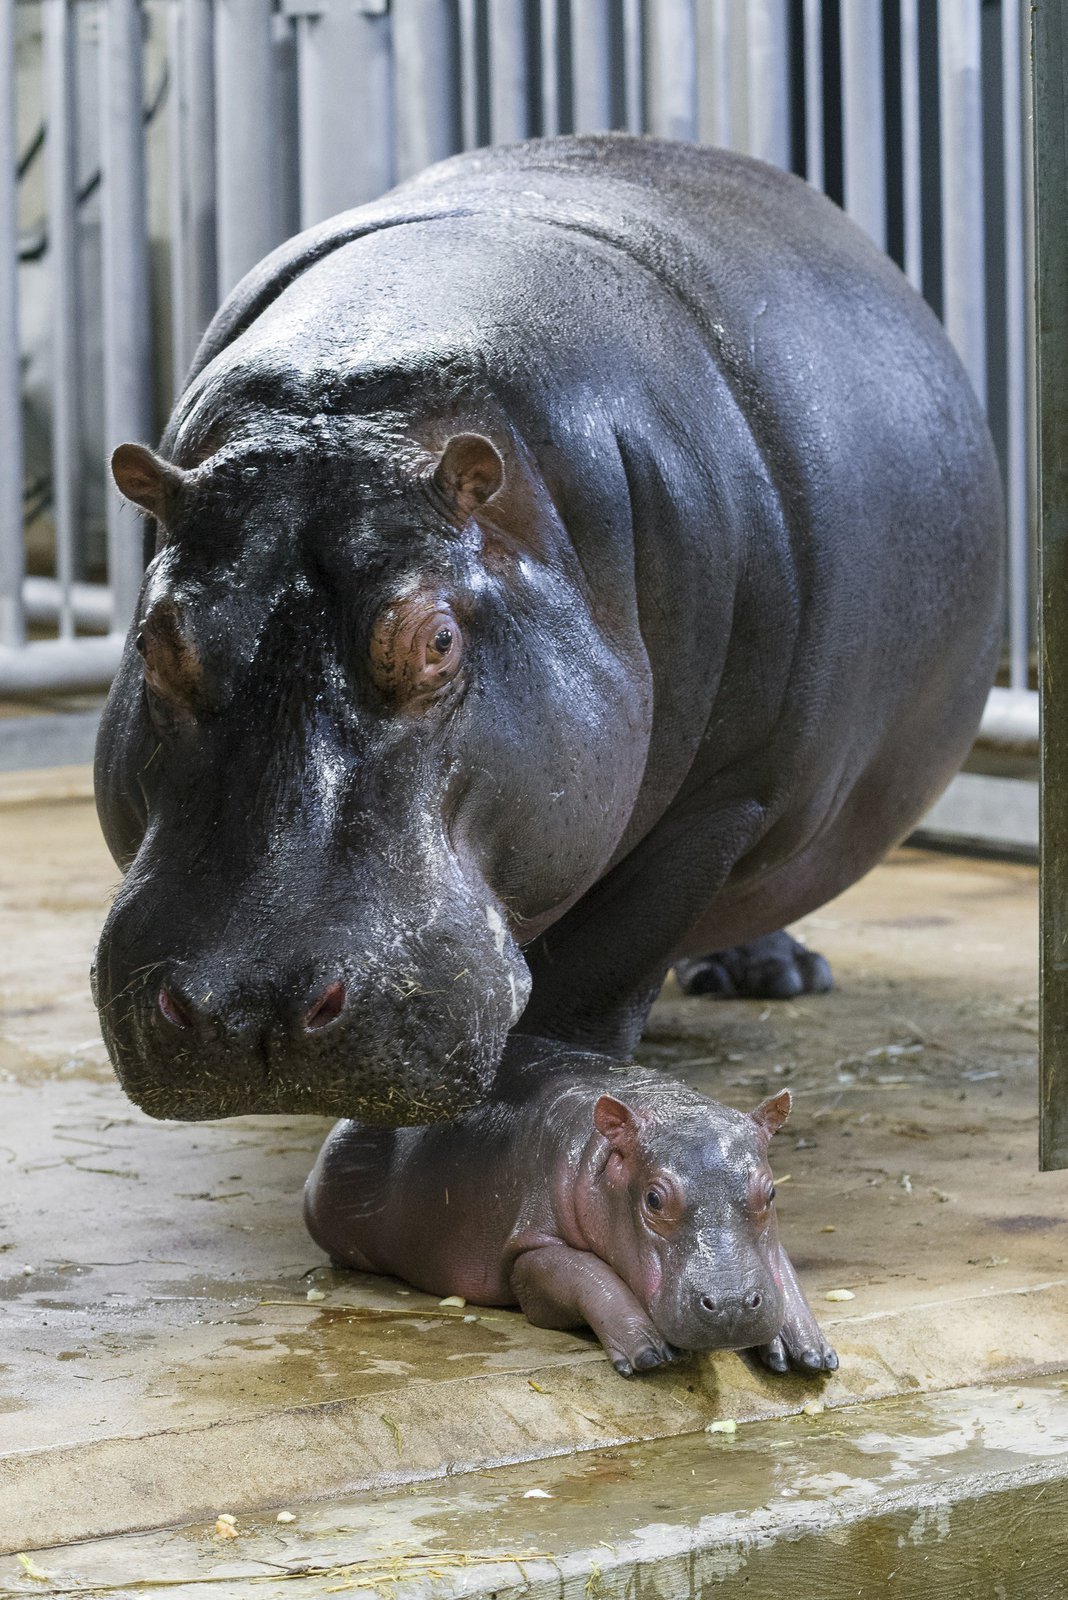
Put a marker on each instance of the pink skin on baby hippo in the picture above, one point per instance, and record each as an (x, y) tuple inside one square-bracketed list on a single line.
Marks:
[(584, 1192)]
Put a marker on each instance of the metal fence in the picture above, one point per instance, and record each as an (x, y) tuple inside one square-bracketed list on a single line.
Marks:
[(151, 151)]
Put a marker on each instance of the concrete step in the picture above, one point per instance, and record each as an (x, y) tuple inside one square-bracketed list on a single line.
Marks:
[(959, 1494)]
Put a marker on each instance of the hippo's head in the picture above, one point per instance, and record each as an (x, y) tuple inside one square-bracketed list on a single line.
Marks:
[(682, 1207), (368, 737)]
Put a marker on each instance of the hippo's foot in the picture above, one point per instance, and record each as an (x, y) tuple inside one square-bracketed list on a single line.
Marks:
[(814, 1355), (800, 1342), (557, 1287), (775, 967)]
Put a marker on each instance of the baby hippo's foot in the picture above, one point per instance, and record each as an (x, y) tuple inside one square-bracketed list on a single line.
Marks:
[(775, 967), (814, 1356), (800, 1342), (639, 1349)]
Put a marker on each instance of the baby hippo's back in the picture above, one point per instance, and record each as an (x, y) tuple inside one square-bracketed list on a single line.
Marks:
[(438, 1205)]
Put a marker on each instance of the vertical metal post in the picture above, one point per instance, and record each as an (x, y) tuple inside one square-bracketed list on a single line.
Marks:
[(427, 78), (673, 69), (714, 60), (245, 156), (863, 138), (1050, 25), (469, 75), (549, 24), (633, 66), (1016, 397), (768, 89), (126, 322), (509, 109), (58, 41), (911, 170), (813, 59), (591, 58), (12, 563), (193, 277), (960, 99), (345, 67)]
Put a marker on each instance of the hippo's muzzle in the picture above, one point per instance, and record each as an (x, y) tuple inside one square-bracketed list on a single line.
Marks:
[(389, 1024)]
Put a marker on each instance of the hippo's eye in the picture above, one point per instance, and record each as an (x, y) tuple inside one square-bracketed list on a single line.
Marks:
[(771, 1194), (654, 1200), (416, 649)]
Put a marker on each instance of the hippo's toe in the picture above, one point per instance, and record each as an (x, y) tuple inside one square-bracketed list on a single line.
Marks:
[(775, 967)]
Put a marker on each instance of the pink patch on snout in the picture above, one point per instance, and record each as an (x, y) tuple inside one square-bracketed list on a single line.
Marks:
[(654, 1275)]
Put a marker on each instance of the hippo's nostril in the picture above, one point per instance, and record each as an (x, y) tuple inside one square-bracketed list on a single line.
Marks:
[(175, 1011), (326, 1009), (754, 1301), (708, 1302)]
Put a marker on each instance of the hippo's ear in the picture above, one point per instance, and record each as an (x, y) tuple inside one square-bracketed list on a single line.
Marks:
[(145, 478), (616, 1123), (771, 1113), (468, 474)]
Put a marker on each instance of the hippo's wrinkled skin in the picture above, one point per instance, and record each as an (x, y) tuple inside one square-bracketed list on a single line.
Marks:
[(583, 1191), (585, 557)]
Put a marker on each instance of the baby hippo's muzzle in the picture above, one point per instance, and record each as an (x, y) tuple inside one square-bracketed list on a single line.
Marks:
[(709, 1319)]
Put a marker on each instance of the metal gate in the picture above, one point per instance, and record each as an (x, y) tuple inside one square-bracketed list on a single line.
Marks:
[(151, 151)]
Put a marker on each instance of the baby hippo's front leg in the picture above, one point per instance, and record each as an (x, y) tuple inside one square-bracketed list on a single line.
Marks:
[(558, 1287), (800, 1339)]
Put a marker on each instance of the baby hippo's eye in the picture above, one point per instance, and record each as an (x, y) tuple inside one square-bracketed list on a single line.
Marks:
[(654, 1200), (416, 649)]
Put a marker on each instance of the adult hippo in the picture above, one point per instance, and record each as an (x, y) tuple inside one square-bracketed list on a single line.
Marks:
[(583, 558)]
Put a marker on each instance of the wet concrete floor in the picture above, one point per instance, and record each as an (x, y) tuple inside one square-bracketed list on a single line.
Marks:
[(160, 1359)]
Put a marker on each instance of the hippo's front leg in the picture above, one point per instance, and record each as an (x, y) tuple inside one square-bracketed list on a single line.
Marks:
[(800, 1340), (558, 1287)]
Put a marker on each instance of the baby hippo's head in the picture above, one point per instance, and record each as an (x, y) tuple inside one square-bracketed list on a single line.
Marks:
[(683, 1209)]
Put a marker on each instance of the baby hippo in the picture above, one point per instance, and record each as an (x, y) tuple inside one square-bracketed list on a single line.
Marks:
[(583, 1191)]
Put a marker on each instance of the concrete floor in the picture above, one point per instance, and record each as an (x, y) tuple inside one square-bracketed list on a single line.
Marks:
[(161, 1362)]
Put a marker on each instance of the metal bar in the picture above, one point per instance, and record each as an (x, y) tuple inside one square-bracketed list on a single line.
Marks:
[(193, 275), (549, 23), (714, 61), (1010, 721), (469, 76), (12, 560), (911, 171), (633, 66), (245, 158), (59, 666), (768, 86), (960, 101), (58, 41), (427, 83), (673, 69), (345, 67), (126, 322), (813, 60), (590, 63), (1016, 464), (509, 111), (91, 602), (1050, 86), (863, 135)]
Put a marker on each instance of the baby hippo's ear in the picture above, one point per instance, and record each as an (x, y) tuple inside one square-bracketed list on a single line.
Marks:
[(771, 1113), (616, 1123)]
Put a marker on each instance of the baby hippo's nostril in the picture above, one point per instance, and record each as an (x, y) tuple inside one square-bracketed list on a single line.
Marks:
[(754, 1301), (708, 1302), (326, 1009), (176, 1011)]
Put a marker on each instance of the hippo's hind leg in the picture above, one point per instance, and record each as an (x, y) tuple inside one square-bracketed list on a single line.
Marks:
[(775, 967)]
